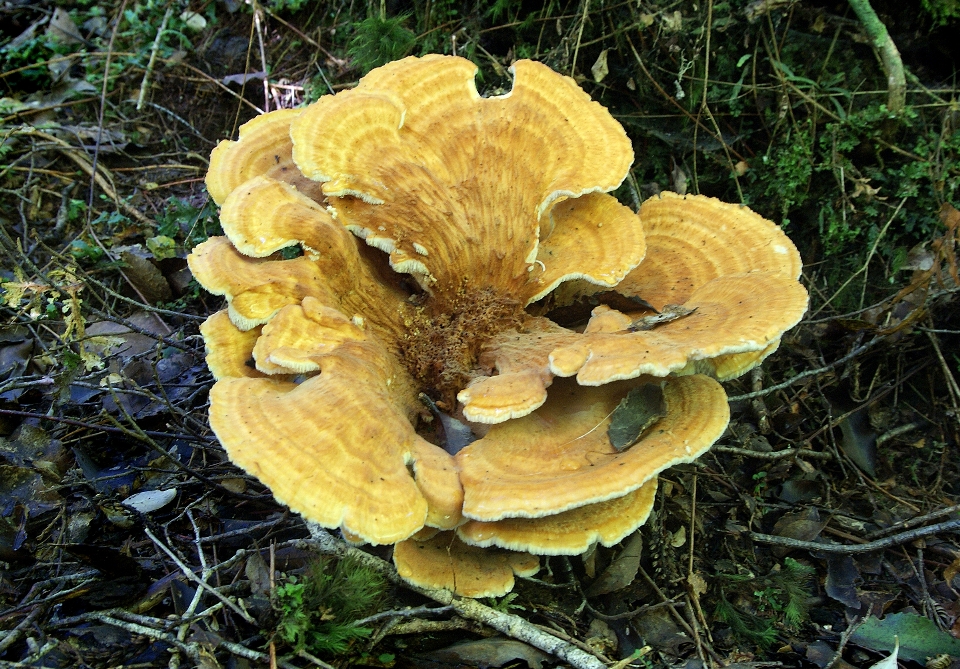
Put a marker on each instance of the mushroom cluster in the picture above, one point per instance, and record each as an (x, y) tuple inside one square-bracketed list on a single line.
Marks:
[(409, 240)]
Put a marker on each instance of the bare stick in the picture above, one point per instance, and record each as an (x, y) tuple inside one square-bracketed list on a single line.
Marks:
[(774, 455), (810, 372), (153, 57), (879, 544), (509, 624), (188, 572)]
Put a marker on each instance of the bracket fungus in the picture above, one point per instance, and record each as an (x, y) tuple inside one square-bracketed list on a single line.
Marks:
[(467, 249)]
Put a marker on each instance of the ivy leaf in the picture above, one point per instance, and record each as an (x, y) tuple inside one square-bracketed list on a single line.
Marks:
[(637, 412)]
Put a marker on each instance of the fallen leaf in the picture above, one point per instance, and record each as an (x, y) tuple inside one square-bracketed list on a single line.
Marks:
[(193, 21), (621, 571), (890, 661), (150, 500), (600, 69), (146, 277), (62, 28), (842, 576), (670, 312), (919, 637), (492, 652), (638, 411)]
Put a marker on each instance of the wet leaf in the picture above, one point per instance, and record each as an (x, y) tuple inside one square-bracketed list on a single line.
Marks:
[(162, 247), (859, 442), (493, 652), (150, 500), (842, 575), (621, 571), (919, 637), (638, 411), (670, 312), (146, 277), (890, 661), (600, 69)]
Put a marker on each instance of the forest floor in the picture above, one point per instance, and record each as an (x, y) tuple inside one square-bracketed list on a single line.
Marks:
[(822, 525)]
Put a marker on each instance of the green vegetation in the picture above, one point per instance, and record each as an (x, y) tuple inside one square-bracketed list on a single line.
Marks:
[(379, 40), (778, 600), (318, 610)]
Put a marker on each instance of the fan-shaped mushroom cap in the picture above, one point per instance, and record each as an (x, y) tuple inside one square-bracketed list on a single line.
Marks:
[(256, 289), (560, 457), (731, 314), (593, 238), (263, 215), (444, 561), (229, 349), (693, 239), (336, 447), (263, 149), (570, 532), (453, 185)]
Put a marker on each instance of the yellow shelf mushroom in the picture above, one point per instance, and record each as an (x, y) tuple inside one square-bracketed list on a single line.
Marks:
[(439, 235)]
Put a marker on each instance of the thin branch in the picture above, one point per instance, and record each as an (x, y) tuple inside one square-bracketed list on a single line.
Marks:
[(507, 623), (810, 372), (895, 540)]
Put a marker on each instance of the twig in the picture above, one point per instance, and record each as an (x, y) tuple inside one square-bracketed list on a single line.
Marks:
[(315, 660), (898, 432), (509, 624), (774, 455), (576, 48), (634, 613), (913, 522), (952, 387), (403, 613), (188, 572), (263, 58), (879, 544), (12, 636), (844, 638), (810, 372), (103, 105), (153, 56)]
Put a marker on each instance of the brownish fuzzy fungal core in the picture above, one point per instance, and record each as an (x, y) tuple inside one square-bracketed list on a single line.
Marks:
[(445, 335)]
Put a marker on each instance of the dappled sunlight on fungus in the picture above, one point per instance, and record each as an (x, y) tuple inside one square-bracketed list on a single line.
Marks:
[(442, 239)]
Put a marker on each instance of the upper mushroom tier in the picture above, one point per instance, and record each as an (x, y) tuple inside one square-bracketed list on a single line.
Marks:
[(497, 209)]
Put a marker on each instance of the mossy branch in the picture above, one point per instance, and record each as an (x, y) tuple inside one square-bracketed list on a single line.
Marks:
[(889, 54), (507, 623)]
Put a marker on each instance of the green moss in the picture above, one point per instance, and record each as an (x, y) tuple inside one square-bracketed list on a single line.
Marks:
[(318, 612)]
